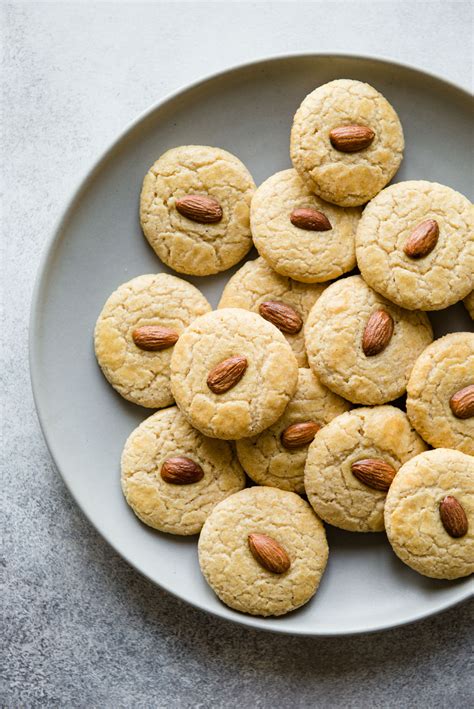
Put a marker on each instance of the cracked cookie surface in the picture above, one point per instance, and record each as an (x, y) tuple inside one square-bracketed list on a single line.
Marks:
[(176, 509), (412, 517), (236, 576), (141, 376), (186, 245), (432, 282), (443, 369), (347, 179), (301, 254), (333, 336)]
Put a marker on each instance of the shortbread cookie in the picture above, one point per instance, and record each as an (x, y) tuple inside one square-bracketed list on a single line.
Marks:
[(298, 234), (429, 514), (283, 301), (172, 476), (194, 209), (362, 346), (136, 331), (440, 401), (415, 245), (346, 142), (352, 462), (263, 551), (277, 456), (232, 373), (469, 303)]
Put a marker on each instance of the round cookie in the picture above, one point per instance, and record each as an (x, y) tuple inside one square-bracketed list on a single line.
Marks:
[(298, 234), (469, 303), (346, 167), (231, 569), (413, 514), (256, 283), (158, 300), (262, 373), (189, 235), (339, 493), (445, 368), (167, 503), (415, 245), (348, 321), (270, 458)]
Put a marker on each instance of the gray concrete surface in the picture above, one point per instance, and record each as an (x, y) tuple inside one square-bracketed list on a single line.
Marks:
[(81, 628)]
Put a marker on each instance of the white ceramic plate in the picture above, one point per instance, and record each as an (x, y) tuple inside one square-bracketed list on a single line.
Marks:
[(98, 244)]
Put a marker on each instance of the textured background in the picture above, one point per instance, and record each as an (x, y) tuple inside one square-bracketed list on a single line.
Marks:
[(82, 628)]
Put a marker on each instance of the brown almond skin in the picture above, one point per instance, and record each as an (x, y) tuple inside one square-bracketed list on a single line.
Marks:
[(181, 471), (453, 517), (227, 374), (298, 435), (374, 472), (423, 239), (200, 208), (462, 403), (283, 316), (351, 139), (378, 333), (154, 338), (269, 553), (310, 219)]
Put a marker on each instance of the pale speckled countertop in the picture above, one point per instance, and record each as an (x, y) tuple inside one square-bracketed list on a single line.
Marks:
[(82, 628)]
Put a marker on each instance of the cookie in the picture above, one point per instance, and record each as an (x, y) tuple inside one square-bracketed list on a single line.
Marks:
[(298, 234), (263, 551), (469, 303), (172, 476), (429, 514), (440, 393), (277, 456), (282, 301), (415, 245), (232, 373), (360, 345), (136, 331), (352, 462), (194, 209), (346, 142)]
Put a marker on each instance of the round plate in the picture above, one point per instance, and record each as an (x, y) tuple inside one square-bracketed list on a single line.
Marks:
[(98, 245)]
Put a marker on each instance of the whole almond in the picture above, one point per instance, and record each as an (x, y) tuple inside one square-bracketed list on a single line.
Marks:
[(422, 240), (351, 139), (200, 208), (310, 219), (227, 374), (181, 471), (453, 517), (269, 553), (374, 472), (462, 403), (154, 338), (283, 316), (299, 434), (378, 333)]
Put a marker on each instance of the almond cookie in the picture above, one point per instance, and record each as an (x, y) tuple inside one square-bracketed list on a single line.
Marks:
[(277, 456), (298, 234), (352, 462), (172, 476), (415, 245), (136, 331), (362, 346), (232, 373), (263, 551), (194, 209), (469, 303), (440, 401), (429, 514), (283, 302), (346, 142)]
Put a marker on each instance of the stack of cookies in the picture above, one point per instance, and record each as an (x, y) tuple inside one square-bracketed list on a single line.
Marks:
[(289, 381)]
